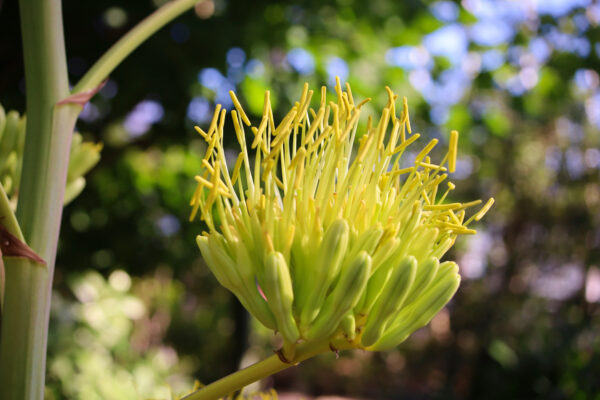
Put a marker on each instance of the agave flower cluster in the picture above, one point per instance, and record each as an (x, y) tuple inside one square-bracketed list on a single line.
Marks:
[(323, 240)]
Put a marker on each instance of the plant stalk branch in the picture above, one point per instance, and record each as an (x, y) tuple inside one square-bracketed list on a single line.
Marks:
[(255, 372), (128, 43)]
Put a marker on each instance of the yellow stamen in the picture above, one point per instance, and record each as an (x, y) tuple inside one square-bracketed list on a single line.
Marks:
[(406, 143), (391, 103), (453, 149), (215, 119), (201, 132), (406, 117), (426, 150), (362, 103), (236, 168), (239, 108), (432, 166), (484, 209), (349, 91)]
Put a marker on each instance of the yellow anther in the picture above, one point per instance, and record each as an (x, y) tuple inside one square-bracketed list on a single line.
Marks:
[(391, 103), (351, 124), (347, 105), (215, 119), (219, 132), (236, 168), (314, 126), (203, 182), (336, 119), (406, 143), (425, 197), (212, 195), (284, 126), (440, 207), (364, 147), (195, 208), (299, 158), (426, 150), (453, 217), (484, 209), (402, 171), (302, 107), (362, 103), (238, 107), (207, 165), (279, 183), (201, 132), (304, 93), (406, 117), (393, 136), (472, 203), (317, 142), (257, 138), (382, 127), (349, 91), (211, 146), (452, 151), (323, 96), (266, 104), (238, 129), (432, 166), (338, 91)]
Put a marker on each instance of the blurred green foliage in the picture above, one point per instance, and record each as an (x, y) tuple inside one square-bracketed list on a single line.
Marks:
[(83, 157), (106, 343), (518, 79)]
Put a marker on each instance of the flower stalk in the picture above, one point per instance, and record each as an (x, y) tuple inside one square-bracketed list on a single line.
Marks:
[(51, 114), (255, 372), (49, 130)]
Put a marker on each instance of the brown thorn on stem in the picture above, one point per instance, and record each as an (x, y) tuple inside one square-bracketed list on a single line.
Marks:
[(10, 246), (82, 98)]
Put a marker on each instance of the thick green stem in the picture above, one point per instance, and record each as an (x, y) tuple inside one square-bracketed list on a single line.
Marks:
[(48, 138), (46, 157), (255, 372), (128, 43)]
